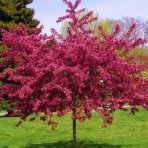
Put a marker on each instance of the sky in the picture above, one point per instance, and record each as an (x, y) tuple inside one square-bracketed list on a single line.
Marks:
[(48, 11)]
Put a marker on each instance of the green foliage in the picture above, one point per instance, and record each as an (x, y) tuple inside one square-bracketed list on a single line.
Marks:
[(145, 73), (106, 26), (14, 12), (4, 105), (141, 55)]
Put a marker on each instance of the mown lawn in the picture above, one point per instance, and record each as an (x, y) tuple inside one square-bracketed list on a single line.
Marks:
[(126, 131)]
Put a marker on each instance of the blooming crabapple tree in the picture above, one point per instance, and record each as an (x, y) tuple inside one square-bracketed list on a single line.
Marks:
[(80, 73)]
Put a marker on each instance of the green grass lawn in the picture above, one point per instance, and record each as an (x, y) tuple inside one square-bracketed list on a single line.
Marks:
[(127, 131)]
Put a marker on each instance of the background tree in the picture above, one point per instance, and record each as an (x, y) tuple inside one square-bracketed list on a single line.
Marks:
[(78, 74), (140, 30), (14, 12)]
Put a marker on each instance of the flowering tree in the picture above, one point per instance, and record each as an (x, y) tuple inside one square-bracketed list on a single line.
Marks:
[(80, 73)]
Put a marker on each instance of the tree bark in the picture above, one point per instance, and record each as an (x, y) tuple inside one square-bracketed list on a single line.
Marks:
[(74, 130)]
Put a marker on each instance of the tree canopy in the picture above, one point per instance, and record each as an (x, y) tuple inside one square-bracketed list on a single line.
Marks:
[(14, 12)]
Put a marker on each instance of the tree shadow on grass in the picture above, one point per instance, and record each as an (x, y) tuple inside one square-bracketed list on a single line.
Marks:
[(68, 144)]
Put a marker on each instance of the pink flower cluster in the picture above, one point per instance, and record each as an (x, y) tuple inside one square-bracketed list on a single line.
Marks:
[(83, 71)]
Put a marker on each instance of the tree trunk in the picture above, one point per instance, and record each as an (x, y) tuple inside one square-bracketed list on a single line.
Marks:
[(74, 130)]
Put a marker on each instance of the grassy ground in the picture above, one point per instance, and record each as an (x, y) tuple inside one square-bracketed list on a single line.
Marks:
[(128, 131)]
